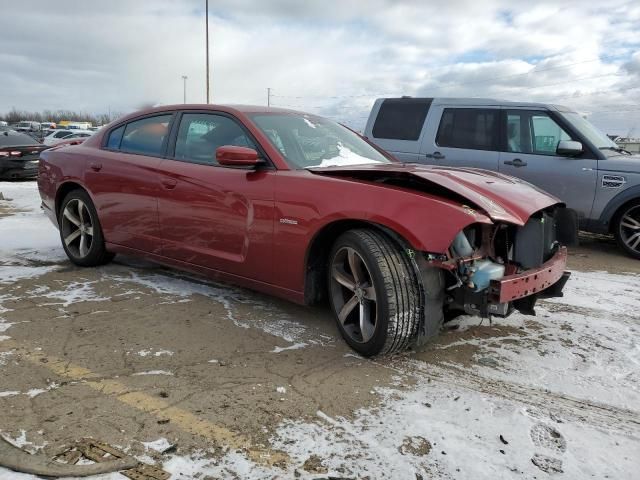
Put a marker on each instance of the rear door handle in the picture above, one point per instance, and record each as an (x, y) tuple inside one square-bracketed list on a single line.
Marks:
[(169, 183), (96, 167), (516, 162), (435, 155)]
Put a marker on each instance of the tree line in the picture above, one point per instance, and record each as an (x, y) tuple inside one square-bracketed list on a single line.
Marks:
[(56, 116)]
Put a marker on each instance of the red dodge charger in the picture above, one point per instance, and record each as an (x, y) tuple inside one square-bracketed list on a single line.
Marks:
[(303, 208)]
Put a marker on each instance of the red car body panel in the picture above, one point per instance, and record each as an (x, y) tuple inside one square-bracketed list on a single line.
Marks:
[(255, 227)]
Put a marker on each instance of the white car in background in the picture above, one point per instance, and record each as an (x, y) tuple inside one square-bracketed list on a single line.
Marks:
[(57, 136)]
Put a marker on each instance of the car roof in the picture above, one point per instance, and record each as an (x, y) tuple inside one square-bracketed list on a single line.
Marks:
[(229, 108), (470, 101)]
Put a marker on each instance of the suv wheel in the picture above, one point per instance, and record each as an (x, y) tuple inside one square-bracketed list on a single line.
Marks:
[(627, 228), (80, 231), (374, 292)]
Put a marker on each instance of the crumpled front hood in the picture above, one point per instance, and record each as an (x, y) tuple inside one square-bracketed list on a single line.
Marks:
[(501, 197)]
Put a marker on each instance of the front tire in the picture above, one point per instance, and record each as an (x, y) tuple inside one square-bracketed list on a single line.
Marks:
[(80, 231), (374, 292), (627, 229)]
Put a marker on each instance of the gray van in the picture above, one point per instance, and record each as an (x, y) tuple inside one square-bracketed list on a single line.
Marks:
[(550, 146)]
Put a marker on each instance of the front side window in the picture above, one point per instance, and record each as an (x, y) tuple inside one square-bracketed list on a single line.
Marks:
[(64, 133), (145, 136), (533, 132), (200, 134), (308, 141), (469, 128)]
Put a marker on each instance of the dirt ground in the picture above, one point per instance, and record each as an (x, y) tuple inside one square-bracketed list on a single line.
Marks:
[(130, 353)]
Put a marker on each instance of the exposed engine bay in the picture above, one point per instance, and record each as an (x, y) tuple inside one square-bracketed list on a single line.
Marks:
[(482, 255)]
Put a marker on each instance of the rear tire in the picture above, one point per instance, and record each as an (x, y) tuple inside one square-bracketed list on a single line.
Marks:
[(627, 228), (80, 231), (375, 292)]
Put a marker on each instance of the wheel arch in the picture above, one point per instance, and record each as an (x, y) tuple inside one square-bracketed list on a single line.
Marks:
[(63, 190), (616, 204), (316, 257)]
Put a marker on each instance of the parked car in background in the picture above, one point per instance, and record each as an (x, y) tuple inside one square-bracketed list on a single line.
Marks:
[(28, 127), (3, 123), (300, 207), (57, 136), (549, 146), (19, 155)]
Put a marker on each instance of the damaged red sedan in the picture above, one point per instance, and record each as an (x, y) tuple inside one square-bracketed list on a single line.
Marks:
[(303, 208)]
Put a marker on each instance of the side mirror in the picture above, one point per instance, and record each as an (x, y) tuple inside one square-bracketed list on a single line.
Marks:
[(569, 148), (231, 156)]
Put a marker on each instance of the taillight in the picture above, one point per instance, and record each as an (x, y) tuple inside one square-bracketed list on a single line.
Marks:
[(4, 154), (16, 153)]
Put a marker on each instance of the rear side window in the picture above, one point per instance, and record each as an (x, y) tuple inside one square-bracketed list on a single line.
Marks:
[(146, 136), (401, 118), (113, 143), (470, 128)]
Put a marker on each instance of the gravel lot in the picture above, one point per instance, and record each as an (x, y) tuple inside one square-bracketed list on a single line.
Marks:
[(212, 381)]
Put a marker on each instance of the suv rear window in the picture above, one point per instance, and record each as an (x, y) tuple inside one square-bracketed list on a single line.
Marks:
[(401, 118), (471, 128)]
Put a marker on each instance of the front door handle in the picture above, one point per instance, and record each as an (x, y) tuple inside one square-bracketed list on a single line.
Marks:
[(516, 162), (96, 167), (435, 155), (169, 183)]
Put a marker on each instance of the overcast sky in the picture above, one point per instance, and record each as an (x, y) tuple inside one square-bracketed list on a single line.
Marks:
[(327, 57)]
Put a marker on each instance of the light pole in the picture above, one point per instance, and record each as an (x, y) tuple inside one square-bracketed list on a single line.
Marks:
[(184, 88), (207, 41)]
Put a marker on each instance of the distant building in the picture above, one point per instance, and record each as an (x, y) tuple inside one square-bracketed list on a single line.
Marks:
[(630, 144)]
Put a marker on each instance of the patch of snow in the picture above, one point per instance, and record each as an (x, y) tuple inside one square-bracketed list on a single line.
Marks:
[(38, 238), (160, 445), (153, 372), (295, 346), (11, 393), (158, 353), (34, 392), (213, 360), (73, 292), (346, 157), (281, 390)]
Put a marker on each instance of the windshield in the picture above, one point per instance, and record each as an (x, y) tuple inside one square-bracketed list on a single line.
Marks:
[(309, 141), (588, 130)]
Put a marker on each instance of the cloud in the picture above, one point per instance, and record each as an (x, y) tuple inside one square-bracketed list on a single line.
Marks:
[(332, 58)]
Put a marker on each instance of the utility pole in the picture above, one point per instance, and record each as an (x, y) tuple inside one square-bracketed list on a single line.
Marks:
[(268, 97), (184, 88), (207, 35)]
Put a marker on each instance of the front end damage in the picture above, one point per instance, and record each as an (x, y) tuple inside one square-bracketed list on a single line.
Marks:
[(494, 269)]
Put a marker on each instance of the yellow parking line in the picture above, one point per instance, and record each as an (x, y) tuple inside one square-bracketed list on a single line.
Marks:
[(152, 405)]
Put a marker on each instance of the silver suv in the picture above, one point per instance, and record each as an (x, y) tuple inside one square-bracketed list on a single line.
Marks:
[(549, 146)]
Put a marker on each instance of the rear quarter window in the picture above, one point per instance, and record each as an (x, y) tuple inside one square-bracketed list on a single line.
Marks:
[(113, 142), (401, 118)]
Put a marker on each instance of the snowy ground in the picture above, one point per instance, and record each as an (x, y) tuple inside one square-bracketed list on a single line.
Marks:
[(528, 397)]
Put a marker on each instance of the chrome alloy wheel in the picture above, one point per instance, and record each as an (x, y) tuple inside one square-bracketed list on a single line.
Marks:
[(630, 228), (353, 295), (77, 228)]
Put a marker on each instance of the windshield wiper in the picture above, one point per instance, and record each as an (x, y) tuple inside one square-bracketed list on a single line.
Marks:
[(616, 149)]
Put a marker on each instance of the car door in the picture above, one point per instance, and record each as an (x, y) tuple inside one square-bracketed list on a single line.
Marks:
[(214, 216), (529, 143), (123, 180), (462, 137)]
